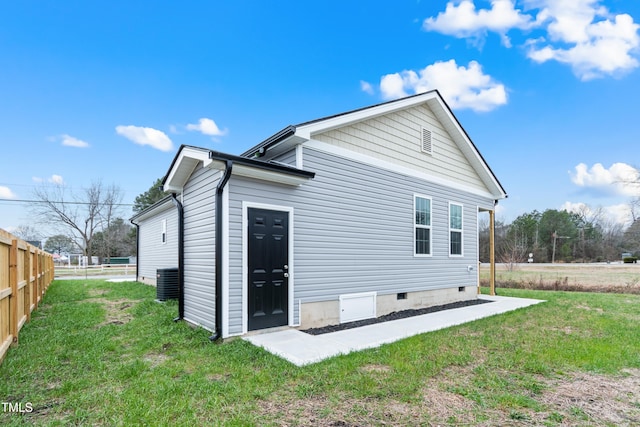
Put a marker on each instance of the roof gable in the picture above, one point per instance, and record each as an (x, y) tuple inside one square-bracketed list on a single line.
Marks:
[(440, 112)]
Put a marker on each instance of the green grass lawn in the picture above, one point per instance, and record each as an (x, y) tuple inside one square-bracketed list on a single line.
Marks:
[(98, 353)]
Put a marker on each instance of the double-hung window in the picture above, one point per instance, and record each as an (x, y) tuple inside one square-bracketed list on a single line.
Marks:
[(422, 225), (455, 229)]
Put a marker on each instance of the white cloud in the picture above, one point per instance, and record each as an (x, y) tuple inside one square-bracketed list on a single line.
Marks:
[(207, 127), (464, 21), (462, 87), (587, 37), (6, 193), (618, 214), (70, 141), (56, 179), (366, 87), (146, 136), (582, 34), (616, 180)]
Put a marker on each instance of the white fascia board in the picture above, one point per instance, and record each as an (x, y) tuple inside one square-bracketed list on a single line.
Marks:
[(155, 210), (267, 175), (463, 142), (183, 167)]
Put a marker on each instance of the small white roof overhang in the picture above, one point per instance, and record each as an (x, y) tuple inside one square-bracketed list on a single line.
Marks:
[(188, 158)]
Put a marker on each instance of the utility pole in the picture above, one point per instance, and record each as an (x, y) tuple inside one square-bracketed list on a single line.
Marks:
[(555, 238)]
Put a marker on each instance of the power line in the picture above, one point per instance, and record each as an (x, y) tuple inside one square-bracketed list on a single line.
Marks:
[(60, 202)]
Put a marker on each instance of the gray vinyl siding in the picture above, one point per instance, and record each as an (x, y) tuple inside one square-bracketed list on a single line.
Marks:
[(199, 247), (152, 253), (288, 157), (396, 137), (354, 232)]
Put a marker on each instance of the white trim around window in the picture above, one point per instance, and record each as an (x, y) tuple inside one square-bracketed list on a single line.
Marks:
[(422, 226), (456, 221)]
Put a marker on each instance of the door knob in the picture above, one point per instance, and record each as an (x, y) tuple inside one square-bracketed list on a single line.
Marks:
[(286, 267), (286, 274)]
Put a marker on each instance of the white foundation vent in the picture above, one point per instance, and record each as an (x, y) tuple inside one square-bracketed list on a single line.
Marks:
[(357, 306)]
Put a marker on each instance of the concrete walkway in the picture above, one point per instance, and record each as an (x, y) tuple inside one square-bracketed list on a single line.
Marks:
[(302, 349)]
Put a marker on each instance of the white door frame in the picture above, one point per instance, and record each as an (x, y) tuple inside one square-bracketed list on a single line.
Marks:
[(245, 253)]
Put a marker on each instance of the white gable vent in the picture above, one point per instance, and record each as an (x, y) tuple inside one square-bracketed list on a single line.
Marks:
[(425, 141)]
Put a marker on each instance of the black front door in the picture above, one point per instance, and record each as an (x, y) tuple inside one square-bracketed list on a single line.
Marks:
[(268, 253)]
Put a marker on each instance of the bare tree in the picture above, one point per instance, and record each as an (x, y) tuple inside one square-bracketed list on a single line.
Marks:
[(513, 250), (111, 205), (28, 233), (79, 214)]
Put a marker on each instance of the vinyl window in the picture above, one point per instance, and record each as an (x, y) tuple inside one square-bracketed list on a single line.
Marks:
[(422, 225), (455, 229), (163, 237)]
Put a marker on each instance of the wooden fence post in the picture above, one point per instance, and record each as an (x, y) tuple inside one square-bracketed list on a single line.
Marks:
[(26, 276), (13, 282)]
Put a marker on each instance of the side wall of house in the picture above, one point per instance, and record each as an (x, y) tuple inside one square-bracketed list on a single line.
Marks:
[(153, 253), (199, 247), (354, 232)]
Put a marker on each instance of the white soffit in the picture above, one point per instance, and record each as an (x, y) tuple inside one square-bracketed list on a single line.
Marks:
[(184, 166)]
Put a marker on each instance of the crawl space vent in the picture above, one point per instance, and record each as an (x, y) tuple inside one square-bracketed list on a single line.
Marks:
[(358, 306), (426, 145)]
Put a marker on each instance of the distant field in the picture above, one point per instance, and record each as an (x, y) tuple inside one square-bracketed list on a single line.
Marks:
[(599, 277)]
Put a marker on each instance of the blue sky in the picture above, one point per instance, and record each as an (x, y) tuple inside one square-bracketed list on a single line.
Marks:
[(108, 90)]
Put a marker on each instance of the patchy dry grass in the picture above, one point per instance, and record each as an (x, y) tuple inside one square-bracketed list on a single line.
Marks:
[(100, 353)]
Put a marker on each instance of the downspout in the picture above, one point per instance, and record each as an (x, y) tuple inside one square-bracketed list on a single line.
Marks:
[(178, 205), (218, 207), (137, 249)]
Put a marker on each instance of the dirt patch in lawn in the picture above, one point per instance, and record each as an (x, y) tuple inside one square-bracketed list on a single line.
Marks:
[(599, 399), (575, 399), (118, 312), (322, 412)]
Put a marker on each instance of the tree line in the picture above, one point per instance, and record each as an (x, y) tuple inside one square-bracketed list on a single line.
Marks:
[(90, 221), (560, 236)]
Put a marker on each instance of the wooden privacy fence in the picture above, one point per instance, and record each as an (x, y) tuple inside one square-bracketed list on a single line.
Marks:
[(25, 274)]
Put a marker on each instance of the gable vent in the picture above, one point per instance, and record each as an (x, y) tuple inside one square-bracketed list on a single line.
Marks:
[(425, 141)]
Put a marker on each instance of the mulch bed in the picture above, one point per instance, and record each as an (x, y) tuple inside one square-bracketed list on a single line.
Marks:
[(393, 316)]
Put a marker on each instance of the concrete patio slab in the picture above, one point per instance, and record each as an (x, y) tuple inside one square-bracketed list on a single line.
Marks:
[(302, 349)]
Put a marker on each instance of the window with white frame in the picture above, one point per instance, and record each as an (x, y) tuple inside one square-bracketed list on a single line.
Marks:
[(164, 231), (422, 225), (455, 229)]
